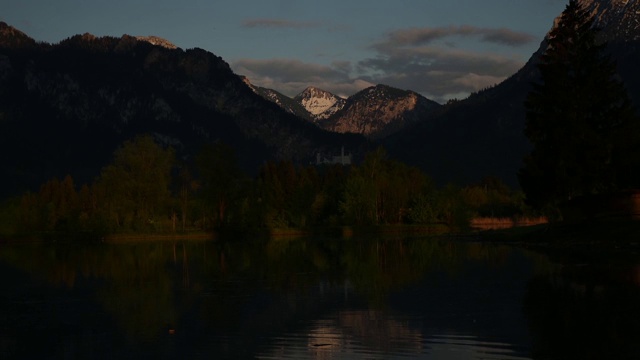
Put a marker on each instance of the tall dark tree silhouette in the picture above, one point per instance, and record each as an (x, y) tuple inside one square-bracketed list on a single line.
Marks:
[(579, 118), (221, 178)]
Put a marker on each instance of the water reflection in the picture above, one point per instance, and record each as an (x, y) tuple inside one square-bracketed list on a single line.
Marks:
[(313, 299), (375, 335), (585, 311)]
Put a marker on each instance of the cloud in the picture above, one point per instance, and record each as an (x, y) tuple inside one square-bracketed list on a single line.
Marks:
[(277, 23), (412, 59), (407, 59), (426, 35), (437, 73), (291, 77), (343, 66), (287, 70)]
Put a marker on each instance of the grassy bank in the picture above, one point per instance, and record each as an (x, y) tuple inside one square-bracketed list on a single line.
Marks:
[(38, 237), (345, 232), (354, 231), (595, 241), (120, 238), (611, 231)]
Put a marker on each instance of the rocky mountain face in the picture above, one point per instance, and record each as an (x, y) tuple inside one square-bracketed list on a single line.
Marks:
[(379, 111), (483, 134), (65, 108), (154, 40), (312, 104), (319, 103), (375, 112), (619, 19), (286, 103)]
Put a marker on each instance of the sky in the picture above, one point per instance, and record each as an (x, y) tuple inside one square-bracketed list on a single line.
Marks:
[(442, 49)]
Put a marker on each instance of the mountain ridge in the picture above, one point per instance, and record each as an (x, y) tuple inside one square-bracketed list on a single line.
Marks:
[(484, 134), (65, 108), (374, 112), (147, 88), (381, 110), (321, 104)]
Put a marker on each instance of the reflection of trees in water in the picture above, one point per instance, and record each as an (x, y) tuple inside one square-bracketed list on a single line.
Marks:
[(585, 312), (135, 283), (377, 267), (147, 286)]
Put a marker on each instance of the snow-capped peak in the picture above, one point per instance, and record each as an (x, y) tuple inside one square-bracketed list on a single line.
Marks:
[(318, 102), (158, 41)]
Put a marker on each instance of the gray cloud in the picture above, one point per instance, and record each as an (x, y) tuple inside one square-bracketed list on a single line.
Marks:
[(407, 59), (343, 66), (410, 60), (277, 23), (426, 35), (290, 77)]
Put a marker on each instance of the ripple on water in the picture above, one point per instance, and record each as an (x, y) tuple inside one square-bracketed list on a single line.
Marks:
[(372, 335)]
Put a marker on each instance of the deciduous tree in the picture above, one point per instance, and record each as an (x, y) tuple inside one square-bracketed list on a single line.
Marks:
[(136, 184)]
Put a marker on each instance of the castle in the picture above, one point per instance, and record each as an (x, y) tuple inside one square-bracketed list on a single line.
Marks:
[(341, 159)]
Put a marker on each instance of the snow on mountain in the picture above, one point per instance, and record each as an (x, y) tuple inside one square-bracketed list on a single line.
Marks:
[(155, 40), (285, 102), (319, 103), (374, 112)]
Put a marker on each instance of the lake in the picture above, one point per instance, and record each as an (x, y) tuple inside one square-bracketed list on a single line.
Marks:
[(358, 298)]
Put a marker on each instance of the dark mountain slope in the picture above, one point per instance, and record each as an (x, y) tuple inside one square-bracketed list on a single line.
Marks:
[(65, 108), (483, 134), (288, 104), (473, 138)]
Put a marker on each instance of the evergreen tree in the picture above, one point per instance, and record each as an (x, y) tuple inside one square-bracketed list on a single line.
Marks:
[(579, 118)]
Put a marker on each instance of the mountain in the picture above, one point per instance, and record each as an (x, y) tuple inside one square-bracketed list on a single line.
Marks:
[(379, 111), (483, 134), (312, 104), (288, 104), (154, 40), (64, 108), (375, 112), (319, 103), (618, 19)]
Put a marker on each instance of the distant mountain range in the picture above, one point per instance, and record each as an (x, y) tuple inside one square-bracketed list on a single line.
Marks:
[(482, 135), (375, 112), (64, 109)]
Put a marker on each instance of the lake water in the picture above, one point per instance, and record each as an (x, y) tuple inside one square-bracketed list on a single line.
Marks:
[(402, 298)]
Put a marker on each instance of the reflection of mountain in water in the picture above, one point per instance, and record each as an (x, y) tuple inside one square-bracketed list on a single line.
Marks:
[(312, 298), (351, 330)]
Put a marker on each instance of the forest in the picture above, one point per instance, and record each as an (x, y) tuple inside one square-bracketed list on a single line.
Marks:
[(145, 189)]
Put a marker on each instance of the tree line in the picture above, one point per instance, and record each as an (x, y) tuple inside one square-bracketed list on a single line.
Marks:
[(145, 189)]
